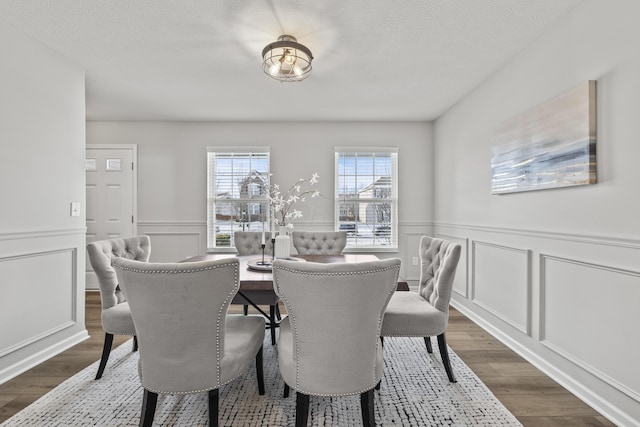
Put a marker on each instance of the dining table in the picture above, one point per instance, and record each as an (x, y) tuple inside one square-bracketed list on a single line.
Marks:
[(256, 280)]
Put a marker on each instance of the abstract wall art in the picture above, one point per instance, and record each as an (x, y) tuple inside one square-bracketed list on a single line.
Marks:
[(549, 146)]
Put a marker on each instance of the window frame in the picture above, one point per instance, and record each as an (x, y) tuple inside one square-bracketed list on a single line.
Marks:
[(211, 221), (339, 201)]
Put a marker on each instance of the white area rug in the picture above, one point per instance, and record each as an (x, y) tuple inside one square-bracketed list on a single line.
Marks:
[(415, 392)]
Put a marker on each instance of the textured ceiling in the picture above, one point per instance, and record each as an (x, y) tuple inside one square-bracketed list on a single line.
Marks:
[(200, 60)]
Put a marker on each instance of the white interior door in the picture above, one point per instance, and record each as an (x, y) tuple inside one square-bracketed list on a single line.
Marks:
[(111, 196)]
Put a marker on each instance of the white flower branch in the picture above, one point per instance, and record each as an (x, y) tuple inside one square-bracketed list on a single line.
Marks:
[(281, 205)]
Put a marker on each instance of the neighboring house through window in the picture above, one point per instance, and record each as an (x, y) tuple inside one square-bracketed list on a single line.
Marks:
[(237, 193), (366, 196)]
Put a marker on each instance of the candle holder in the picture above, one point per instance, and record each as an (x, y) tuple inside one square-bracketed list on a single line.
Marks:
[(273, 245), (263, 262)]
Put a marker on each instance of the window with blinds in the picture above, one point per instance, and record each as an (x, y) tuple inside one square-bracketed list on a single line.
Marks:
[(237, 193), (366, 196)]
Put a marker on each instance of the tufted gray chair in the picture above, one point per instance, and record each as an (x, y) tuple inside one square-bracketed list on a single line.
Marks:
[(188, 344), (116, 317), (249, 242), (319, 242), (426, 313), (329, 342)]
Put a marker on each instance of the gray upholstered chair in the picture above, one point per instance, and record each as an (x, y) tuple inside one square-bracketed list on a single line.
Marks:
[(329, 344), (116, 317), (426, 313), (319, 242), (188, 344), (250, 243)]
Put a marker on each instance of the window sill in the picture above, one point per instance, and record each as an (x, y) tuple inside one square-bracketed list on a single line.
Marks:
[(363, 250), (221, 250)]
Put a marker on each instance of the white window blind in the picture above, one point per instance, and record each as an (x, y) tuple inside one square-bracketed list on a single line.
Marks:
[(237, 193), (366, 196)]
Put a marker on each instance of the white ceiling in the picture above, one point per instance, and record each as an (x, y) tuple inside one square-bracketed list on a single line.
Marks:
[(201, 60)]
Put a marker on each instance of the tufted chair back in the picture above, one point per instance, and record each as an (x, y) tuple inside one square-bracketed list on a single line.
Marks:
[(103, 252), (249, 242), (439, 259), (319, 242)]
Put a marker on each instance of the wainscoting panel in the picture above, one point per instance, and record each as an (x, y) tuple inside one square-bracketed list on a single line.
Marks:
[(173, 247), (461, 280), (172, 241), (47, 275), (41, 296), (578, 296), (587, 318), (501, 282)]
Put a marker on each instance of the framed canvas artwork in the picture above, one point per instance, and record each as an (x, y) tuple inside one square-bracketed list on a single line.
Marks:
[(552, 145)]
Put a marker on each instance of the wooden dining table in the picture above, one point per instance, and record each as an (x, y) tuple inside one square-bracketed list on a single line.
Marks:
[(256, 286)]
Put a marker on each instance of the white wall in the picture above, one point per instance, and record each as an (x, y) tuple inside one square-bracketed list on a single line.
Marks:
[(555, 273), (172, 173), (42, 171)]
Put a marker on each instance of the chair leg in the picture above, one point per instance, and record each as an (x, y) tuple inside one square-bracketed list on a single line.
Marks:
[(382, 343), (366, 406), (135, 343), (302, 409), (106, 349), (286, 391), (278, 316), (260, 372), (213, 407), (272, 323), (442, 344), (427, 342), (246, 309), (149, 401)]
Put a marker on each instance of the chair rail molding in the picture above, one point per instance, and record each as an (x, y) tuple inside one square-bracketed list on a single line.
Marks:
[(624, 242), (42, 232)]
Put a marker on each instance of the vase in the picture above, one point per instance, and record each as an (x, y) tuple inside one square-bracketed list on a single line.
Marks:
[(282, 248)]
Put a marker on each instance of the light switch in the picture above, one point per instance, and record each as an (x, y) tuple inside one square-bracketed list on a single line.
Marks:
[(415, 260), (75, 208)]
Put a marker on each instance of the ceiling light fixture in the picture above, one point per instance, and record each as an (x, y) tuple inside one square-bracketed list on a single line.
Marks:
[(287, 60)]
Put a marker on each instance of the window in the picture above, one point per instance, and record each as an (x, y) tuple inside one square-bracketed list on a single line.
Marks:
[(366, 196), (237, 193)]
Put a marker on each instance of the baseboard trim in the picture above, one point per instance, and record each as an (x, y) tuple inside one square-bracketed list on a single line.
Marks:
[(42, 356), (612, 413)]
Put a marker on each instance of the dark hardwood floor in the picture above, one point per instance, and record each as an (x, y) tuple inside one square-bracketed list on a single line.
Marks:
[(535, 399), (530, 395)]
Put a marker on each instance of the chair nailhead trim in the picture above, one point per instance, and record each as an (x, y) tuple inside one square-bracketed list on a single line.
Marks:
[(222, 310), (292, 316), (341, 273), (213, 267)]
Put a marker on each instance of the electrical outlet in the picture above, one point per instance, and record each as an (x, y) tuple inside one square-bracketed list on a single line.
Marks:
[(415, 260), (75, 209)]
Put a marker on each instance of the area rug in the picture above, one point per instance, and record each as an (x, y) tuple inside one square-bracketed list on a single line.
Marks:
[(414, 392)]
